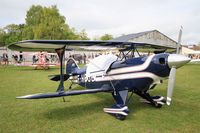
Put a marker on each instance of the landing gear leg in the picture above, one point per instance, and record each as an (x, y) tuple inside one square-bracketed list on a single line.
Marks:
[(119, 110), (147, 97)]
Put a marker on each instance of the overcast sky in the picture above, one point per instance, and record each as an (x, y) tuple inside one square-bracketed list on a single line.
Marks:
[(117, 17)]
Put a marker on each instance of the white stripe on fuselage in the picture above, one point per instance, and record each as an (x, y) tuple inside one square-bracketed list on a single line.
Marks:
[(130, 75), (133, 68)]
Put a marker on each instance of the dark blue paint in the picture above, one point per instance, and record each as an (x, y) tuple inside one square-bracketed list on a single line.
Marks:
[(131, 84)]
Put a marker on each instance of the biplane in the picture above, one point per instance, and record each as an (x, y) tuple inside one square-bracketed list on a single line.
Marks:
[(113, 74)]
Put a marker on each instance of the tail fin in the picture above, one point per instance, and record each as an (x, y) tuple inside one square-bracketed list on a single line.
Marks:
[(71, 67)]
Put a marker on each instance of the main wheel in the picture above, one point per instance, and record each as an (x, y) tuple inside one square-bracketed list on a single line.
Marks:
[(158, 105), (120, 117)]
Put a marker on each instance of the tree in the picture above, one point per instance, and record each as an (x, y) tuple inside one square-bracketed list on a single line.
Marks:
[(33, 19), (106, 37), (2, 37), (83, 35), (13, 33), (47, 23)]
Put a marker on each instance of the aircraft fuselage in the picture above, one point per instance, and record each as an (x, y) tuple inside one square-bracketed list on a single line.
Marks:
[(139, 73)]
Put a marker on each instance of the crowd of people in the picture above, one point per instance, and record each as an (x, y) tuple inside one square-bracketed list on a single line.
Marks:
[(15, 59), (44, 58), (82, 58), (194, 56)]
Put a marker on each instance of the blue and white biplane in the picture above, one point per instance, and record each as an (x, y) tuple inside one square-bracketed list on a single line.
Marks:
[(117, 75)]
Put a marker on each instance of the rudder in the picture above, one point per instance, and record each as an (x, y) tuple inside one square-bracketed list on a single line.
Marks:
[(71, 66)]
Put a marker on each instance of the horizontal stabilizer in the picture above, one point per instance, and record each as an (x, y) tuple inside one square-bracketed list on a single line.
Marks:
[(57, 77), (67, 93)]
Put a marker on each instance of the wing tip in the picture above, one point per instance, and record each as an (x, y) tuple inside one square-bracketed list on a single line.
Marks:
[(21, 97), (28, 96)]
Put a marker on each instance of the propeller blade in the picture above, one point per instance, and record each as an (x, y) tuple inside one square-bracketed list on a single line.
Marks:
[(171, 83), (179, 41)]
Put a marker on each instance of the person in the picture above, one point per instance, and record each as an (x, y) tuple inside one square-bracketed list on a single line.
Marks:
[(20, 57), (34, 60), (15, 59), (46, 59), (1, 59), (5, 58), (41, 58), (84, 58)]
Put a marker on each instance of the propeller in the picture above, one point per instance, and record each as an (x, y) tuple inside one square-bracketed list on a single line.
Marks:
[(173, 64)]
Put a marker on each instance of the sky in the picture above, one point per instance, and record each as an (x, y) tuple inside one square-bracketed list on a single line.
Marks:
[(117, 17)]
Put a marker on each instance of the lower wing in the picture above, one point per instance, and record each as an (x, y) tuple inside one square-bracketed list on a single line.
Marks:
[(66, 93)]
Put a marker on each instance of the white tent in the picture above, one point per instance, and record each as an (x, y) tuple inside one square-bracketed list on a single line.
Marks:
[(187, 51)]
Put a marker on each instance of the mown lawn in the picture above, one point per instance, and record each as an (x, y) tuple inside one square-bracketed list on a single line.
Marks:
[(84, 113)]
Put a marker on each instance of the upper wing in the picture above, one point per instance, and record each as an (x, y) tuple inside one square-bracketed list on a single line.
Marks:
[(51, 45)]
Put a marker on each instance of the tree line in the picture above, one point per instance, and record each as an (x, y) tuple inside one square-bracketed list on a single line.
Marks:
[(43, 23)]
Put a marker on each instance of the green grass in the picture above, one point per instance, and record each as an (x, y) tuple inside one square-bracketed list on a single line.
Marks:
[(84, 113)]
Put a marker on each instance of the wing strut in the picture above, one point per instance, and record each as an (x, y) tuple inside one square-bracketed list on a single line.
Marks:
[(61, 53)]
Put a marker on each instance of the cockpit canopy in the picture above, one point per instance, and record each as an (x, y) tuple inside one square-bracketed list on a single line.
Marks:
[(100, 65)]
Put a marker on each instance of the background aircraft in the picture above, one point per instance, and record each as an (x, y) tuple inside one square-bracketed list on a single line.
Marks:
[(110, 73)]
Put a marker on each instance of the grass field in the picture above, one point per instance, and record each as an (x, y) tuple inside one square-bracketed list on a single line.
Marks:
[(84, 113)]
